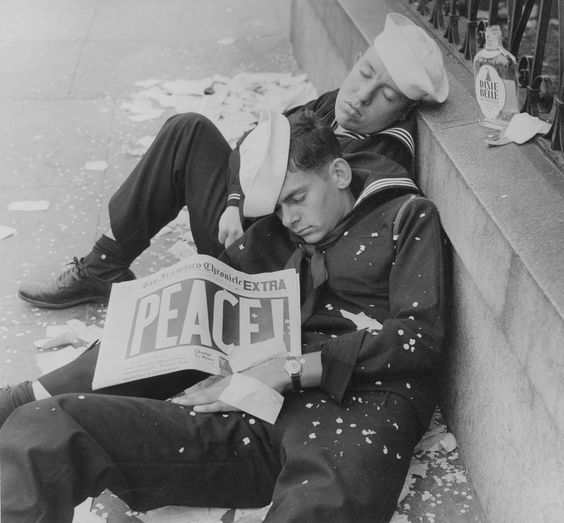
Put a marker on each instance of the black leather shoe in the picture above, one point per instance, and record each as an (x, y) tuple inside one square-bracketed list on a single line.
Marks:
[(74, 286)]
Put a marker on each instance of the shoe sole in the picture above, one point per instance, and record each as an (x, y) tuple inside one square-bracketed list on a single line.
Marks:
[(65, 305)]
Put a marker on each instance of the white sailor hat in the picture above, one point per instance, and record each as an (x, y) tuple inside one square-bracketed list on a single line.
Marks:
[(264, 160), (413, 59)]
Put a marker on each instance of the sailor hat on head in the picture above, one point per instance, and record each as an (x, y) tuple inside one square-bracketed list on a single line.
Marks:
[(264, 160), (413, 59)]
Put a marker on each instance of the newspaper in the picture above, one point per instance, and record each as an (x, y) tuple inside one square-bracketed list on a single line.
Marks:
[(197, 314)]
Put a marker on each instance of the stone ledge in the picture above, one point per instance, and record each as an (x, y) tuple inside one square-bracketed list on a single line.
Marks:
[(503, 210)]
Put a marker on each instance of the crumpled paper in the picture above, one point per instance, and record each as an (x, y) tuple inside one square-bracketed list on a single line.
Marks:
[(521, 129), (254, 397), (75, 333)]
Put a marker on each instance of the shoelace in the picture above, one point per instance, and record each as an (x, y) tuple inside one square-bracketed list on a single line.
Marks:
[(74, 266)]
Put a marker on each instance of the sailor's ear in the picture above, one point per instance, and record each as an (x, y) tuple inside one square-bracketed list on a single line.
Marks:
[(342, 173)]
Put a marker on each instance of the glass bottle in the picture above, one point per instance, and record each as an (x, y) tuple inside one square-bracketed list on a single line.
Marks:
[(495, 81)]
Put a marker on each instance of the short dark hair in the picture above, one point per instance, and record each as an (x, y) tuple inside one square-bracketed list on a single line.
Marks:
[(313, 145)]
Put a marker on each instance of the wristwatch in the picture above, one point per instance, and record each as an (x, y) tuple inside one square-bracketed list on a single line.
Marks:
[(294, 368)]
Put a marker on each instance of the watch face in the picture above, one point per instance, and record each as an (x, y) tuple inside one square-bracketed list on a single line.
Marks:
[(293, 366)]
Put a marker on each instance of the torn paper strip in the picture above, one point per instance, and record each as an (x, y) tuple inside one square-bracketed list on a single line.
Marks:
[(96, 165)]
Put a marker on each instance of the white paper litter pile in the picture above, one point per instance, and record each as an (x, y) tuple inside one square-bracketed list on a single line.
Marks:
[(6, 232), (233, 104), (29, 205), (182, 250), (141, 146)]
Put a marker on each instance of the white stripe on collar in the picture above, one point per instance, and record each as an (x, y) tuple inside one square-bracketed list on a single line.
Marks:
[(402, 135), (384, 183)]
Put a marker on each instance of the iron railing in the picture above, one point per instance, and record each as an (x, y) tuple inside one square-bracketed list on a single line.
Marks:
[(533, 32)]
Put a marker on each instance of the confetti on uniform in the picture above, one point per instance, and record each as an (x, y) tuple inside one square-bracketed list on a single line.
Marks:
[(361, 320)]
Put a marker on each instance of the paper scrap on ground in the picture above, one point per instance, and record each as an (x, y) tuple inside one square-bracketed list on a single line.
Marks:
[(6, 232), (87, 333), (252, 355), (75, 332), (141, 146), (416, 468), (150, 82), (29, 205), (226, 41), (254, 397), (96, 165), (436, 440), (182, 250), (174, 514)]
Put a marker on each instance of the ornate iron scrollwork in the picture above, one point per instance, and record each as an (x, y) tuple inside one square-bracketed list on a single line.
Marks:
[(540, 96), (524, 69), (557, 131), (450, 16), (422, 7), (437, 15)]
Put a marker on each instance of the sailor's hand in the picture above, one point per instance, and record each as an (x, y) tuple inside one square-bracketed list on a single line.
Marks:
[(204, 396), (230, 227)]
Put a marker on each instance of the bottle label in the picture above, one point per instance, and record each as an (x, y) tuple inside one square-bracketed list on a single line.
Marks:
[(490, 91)]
